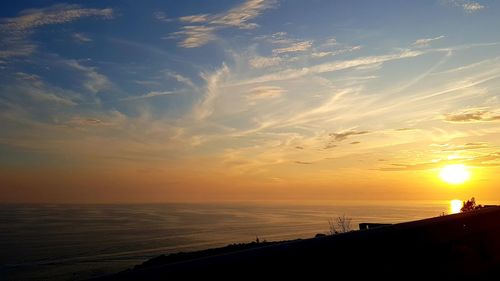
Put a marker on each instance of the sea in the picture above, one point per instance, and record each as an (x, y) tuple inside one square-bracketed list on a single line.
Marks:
[(77, 242)]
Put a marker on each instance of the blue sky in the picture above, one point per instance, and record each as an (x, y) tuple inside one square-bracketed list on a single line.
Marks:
[(262, 92)]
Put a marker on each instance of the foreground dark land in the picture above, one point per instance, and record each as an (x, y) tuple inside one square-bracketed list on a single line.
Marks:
[(461, 246)]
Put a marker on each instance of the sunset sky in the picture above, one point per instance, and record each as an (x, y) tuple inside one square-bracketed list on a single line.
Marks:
[(160, 101)]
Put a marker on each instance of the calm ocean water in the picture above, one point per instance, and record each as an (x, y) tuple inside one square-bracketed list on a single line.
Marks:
[(74, 242)]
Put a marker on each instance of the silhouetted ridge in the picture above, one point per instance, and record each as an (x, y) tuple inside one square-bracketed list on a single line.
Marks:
[(454, 247)]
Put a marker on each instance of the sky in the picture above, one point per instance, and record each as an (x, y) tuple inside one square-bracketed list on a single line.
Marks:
[(176, 101)]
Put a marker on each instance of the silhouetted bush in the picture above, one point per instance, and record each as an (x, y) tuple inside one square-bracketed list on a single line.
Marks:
[(470, 205), (341, 224)]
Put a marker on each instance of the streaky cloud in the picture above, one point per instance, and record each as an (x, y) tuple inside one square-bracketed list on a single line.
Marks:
[(294, 47), (96, 82), (467, 146), (57, 14), (424, 42), (15, 31), (265, 92), (472, 7), (161, 16), (205, 107), (303, 162), (195, 18), (84, 122), (81, 38), (195, 35), (241, 15), (181, 79), (471, 116), (263, 62), (34, 87), (331, 67), (338, 137), (467, 6), (238, 17), (489, 160), (149, 95), (335, 52)]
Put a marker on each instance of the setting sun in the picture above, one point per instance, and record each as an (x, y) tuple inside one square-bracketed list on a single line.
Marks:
[(454, 174)]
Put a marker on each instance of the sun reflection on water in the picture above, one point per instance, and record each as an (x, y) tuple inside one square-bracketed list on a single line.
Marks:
[(455, 206)]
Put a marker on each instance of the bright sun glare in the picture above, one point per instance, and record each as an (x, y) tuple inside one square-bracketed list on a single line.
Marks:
[(455, 206), (454, 174)]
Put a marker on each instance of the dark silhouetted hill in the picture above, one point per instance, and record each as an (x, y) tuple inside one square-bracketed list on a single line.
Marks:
[(460, 246)]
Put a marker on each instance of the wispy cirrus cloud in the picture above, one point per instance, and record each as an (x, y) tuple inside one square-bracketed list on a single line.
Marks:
[(43, 96), (467, 6), (413, 167), (280, 37), (285, 49), (321, 54), (331, 67), (331, 47), (57, 14), (265, 92), (425, 42), (16, 48), (181, 79), (81, 38), (194, 35), (205, 107), (330, 145), (195, 18), (341, 136), (467, 146), (303, 162), (96, 82), (263, 62), (151, 94), (472, 115), (335, 52), (488, 160), (240, 17), (472, 7), (330, 42), (306, 113), (285, 44), (294, 47), (161, 16), (36, 89), (84, 122), (15, 31)]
